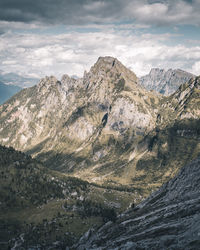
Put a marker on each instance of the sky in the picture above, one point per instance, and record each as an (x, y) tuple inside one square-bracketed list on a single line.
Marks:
[(56, 37)]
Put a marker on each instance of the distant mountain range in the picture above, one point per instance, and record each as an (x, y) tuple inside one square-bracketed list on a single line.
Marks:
[(165, 82), (6, 91), (17, 80), (159, 80)]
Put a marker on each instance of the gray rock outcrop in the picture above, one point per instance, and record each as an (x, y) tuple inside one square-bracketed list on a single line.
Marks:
[(165, 82), (168, 219)]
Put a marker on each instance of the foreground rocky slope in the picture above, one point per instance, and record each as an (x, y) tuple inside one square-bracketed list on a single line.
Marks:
[(165, 82), (168, 219), (105, 128)]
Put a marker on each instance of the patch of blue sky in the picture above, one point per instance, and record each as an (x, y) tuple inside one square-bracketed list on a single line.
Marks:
[(57, 30), (182, 34)]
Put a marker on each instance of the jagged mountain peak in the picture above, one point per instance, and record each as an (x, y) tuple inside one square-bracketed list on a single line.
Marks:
[(106, 59), (102, 117), (155, 70), (185, 89), (65, 77), (70, 83), (167, 71), (111, 67), (48, 80), (106, 62), (165, 81), (107, 78)]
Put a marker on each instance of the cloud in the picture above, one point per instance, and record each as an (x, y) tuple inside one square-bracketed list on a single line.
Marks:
[(32, 42), (165, 13), (196, 68), (81, 12), (72, 53)]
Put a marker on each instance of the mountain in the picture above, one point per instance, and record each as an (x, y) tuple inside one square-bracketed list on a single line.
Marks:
[(97, 144), (44, 209), (168, 219), (6, 91), (105, 127), (165, 82), (18, 80)]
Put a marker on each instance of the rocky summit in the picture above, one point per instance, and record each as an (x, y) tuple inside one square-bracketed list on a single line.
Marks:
[(165, 81), (105, 127), (168, 219)]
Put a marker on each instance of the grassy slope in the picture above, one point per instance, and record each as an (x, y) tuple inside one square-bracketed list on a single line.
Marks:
[(43, 206)]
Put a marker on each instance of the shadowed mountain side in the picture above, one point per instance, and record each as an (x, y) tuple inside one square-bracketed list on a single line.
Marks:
[(158, 157), (168, 219), (39, 207)]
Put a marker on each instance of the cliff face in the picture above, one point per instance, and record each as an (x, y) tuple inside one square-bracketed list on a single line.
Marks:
[(165, 82), (104, 127), (169, 218)]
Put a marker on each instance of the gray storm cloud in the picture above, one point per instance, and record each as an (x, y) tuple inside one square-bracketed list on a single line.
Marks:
[(82, 12)]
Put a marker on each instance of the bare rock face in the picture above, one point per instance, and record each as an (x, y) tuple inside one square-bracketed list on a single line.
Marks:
[(69, 83), (188, 96), (165, 82), (168, 219), (68, 108), (105, 127)]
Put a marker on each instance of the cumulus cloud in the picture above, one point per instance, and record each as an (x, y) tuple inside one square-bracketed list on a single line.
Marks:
[(27, 47), (165, 12), (72, 53), (196, 68)]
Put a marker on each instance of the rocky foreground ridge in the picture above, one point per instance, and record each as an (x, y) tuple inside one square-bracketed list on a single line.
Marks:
[(168, 219), (165, 81), (105, 127)]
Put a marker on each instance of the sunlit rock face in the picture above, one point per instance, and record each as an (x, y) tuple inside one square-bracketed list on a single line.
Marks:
[(105, 127)]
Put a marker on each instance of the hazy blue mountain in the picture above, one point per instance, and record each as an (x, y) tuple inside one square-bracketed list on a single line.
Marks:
[(6, 91), (15, 79), (165, 82)]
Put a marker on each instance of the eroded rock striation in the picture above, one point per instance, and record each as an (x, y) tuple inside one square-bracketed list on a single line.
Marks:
[(168, 219)]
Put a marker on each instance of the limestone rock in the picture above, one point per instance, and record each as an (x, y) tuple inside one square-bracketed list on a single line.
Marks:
[(165, 82), (169, 218)]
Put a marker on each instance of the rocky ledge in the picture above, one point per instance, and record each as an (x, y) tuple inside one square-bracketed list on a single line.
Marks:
[(168, 219)]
